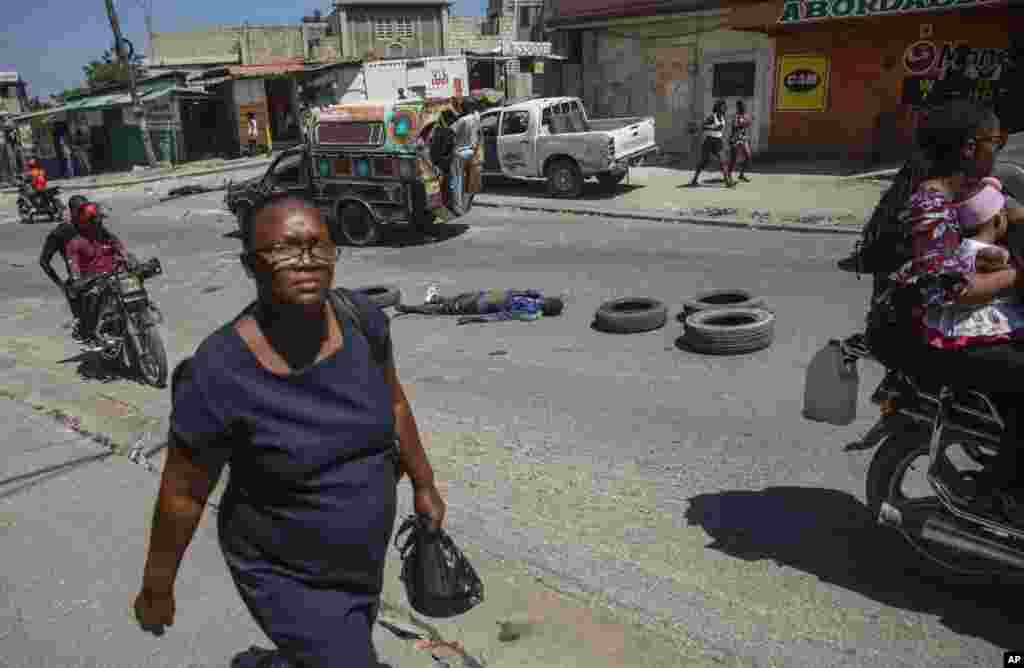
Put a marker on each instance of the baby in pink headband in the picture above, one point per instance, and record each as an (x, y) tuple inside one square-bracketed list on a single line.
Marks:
[(985, 212)]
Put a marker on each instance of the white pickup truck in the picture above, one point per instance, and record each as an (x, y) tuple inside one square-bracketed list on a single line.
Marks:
[(551, 138)]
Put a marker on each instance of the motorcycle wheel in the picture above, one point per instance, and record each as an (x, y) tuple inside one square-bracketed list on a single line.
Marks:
[(25, 211), (150, 355), (57, 210), (904, 458)]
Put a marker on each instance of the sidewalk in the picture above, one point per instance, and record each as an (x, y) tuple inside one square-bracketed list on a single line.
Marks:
[(75, 540), (147, 174), (797, 202)]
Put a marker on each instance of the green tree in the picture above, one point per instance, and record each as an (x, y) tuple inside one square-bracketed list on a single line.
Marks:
[(107, 70), (69, 93)]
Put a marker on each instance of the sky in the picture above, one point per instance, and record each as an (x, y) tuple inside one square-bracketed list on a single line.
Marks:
[(48, 41)]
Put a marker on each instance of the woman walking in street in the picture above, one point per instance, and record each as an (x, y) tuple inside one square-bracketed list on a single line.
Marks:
[(739, 141), (292, 396), (714, 129)]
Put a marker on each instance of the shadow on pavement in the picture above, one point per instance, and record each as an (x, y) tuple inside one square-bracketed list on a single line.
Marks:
[(831, 535), (592, 190), (404, 237), (92, 366)]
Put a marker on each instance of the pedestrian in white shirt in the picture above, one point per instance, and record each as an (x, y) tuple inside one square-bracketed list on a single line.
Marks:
[(714, 131)]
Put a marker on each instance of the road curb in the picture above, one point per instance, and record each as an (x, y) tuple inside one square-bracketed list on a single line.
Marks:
[(151, 179), (664, 218)]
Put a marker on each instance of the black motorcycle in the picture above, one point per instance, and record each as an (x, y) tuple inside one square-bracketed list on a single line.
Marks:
[(47, 203), (127, 321), (934, 436)]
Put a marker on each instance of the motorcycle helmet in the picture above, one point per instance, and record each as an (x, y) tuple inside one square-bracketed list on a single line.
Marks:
[(39, 182), (88, 213)]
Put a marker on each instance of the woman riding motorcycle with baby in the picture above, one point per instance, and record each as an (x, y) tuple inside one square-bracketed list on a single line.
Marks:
[(939, 309)]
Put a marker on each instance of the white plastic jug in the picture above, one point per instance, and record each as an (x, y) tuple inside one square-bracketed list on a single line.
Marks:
[(830, 390)]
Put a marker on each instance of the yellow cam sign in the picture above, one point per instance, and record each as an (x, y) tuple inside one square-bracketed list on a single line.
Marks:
[(802, 83)]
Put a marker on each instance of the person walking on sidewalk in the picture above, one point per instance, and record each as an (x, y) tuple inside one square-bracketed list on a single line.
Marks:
[(254, 133), (714, 129), (299, 399), (739, 141), (488, 305)]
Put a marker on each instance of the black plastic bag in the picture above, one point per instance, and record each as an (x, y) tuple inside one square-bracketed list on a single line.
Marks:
[(439, 580)]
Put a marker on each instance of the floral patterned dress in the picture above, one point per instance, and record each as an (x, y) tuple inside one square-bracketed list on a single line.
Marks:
[(940, 273)]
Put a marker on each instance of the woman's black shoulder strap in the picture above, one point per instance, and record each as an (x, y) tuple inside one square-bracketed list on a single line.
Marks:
[(342, 301)]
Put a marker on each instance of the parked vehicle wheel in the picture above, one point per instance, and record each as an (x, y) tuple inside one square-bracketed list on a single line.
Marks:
[(564, 179), (719, 299), (730, 331), (630, 315), (382, 295), (357, 226), (611, 179)]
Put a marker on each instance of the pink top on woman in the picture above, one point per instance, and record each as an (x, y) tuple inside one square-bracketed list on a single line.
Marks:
[(941, 273)]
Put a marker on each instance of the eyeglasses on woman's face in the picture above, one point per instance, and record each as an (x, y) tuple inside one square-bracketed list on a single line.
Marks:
[(996, 141), (287, 255)]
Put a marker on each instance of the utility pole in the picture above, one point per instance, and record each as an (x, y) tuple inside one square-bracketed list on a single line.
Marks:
[(123, 58)]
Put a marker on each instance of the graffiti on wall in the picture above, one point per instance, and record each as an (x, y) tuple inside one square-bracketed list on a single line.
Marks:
[(943, 71)]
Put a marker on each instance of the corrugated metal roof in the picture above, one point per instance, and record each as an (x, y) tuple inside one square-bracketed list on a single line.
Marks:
[(279, 67), (579, 11)]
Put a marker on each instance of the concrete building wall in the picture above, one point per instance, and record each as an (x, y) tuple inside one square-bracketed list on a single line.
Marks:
[(218, 44), (245, 45), (359, 34), (664, 68)]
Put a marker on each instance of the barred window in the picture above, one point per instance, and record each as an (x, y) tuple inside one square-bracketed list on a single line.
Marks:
[(392, 28)]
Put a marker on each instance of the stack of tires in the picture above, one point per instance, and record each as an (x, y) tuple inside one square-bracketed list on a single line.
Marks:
[(717, 322), (727, 322)]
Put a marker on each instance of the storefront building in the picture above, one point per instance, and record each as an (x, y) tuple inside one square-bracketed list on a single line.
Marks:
[(106, 127), (852, 76), (670, 60)]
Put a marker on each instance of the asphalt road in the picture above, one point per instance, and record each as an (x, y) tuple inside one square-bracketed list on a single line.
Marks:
[(686, 487)]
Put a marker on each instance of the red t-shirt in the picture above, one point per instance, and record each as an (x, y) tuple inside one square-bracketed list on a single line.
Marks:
[(91, 256)]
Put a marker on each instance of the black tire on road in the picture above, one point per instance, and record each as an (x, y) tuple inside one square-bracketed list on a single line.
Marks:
[(565, 180), (730, 331), (713, 299), (357, 226), (382, 295), (150, 356), (610, 179), (630, 315)]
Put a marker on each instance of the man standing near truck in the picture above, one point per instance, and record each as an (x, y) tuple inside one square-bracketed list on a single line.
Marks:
[(467, 141)]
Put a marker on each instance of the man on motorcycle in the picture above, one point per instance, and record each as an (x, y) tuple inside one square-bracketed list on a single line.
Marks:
[(55, 242), (35, 176), (89, 250)]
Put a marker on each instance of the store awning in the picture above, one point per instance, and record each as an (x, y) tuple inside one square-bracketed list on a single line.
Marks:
[(37, 114)]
